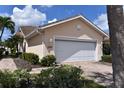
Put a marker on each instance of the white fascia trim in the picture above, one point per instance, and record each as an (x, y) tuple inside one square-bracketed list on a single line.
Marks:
[(93, 25), (35, 30), (30, 34)]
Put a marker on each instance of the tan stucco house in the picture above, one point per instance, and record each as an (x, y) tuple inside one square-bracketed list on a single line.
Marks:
[(70, 40)]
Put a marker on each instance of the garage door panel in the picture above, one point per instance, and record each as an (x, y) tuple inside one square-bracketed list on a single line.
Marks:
[(74, 50)]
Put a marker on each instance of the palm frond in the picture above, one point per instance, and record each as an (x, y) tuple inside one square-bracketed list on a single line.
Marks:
[(6, 22)]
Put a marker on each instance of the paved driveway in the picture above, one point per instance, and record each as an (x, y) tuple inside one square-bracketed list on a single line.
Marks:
[(97, 71)]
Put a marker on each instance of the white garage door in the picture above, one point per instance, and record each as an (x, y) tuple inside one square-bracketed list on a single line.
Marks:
[(69, 51)]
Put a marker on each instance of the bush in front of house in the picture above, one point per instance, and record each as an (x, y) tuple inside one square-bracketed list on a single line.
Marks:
[(30, 57), (64, 76), (16, 79), (6, 53), (2, 50), (7, 80), (107, 58), (13, 52), (48, 60), (23, 79), (106, 49), (18, 54)]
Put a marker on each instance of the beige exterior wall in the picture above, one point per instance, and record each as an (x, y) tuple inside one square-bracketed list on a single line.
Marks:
[(42, 44), (69, 29), (34, 45)]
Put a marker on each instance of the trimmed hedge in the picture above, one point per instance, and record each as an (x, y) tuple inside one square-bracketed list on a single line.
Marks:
[(107, 58), (30, 57), (48, 60)]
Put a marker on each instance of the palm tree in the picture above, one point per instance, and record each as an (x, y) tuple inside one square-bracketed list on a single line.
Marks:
[(6, 22), (8, 43), (116, 27), (14, 42), (17, 41)]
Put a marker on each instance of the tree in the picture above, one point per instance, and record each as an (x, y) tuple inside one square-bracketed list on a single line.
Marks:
[(14, 42), (116, 27), (1, 43), (17, 40), (8, 43), (6, 22)]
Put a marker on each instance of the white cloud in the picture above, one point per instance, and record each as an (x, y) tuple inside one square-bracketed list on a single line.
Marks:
[(51, 21), (102, 22), (28, 16)]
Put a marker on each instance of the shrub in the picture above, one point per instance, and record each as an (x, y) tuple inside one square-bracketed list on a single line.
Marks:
[(16, 79), (107, 58), (7, 80), (48, 60), (23, 79), (2, 50), (18, 54), (7, 53), (13, 51), (30, 57), (106, 49), (60, 77)]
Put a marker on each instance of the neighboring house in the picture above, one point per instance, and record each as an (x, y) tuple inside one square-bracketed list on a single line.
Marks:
[(72, 39)]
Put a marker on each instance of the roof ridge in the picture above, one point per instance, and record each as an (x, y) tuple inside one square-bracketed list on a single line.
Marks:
[(61, 20)]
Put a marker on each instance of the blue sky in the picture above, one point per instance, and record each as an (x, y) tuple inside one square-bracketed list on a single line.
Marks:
[(39, 15)]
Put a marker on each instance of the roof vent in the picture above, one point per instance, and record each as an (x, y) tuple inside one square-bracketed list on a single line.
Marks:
[(78, 27)]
